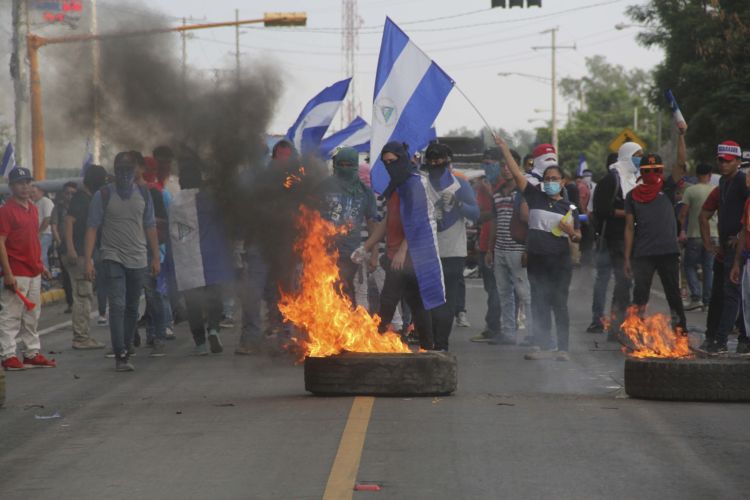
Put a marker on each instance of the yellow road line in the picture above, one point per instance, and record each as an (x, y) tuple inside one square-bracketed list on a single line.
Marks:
[(343, 475)]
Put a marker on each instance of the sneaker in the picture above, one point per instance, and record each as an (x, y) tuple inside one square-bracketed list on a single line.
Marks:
[(200, 350), (111, 353), (102, 321), (215, 342), (158, 351), (595, 327), (87, 344), (562, 356), (68, 310), (717, 348), (485, 336), (13, 364), (743, 346), (123, 364), (170, 334), (501, 339), (462, 320), (706, 346), (227, 322), (537, 355), (693, 305), (39, 361), (245, 351)]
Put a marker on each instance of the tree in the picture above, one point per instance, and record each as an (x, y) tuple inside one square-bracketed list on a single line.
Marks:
[(607, 97), (707, 66)]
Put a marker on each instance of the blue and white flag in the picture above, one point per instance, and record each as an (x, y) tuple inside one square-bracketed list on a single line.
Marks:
[(88, 158), (674, 107), (356, 135), (410, 90), (317, 115), (200, 249), (582, 165), (9, 160)]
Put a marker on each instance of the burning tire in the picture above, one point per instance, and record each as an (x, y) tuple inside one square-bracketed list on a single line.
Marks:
[(722, 379), (375, 374)]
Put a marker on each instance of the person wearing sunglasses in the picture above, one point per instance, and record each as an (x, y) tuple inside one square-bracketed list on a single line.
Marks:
[(651, 244)]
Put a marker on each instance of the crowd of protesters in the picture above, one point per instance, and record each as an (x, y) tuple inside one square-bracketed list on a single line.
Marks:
[(133, 234)]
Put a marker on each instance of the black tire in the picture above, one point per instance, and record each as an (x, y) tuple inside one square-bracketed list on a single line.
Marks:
[(722, 379), (376, 374)]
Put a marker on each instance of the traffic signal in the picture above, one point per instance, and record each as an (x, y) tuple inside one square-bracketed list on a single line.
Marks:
[(516, 3)]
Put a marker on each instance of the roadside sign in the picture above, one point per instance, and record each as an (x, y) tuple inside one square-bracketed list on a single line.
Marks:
[(627, 135)]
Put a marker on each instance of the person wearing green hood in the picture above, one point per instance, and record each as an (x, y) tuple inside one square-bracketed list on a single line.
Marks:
[(346, 201)]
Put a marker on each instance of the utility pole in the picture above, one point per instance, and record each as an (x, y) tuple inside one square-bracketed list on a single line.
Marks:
[(350, 24), (96, 68), (554, 47), (20, 75)]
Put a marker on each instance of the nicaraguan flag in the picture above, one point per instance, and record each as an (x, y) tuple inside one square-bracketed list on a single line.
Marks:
[(582, 165), (9, 160), (674, 107), (312, 123), (200, 249), (410, 90), (356, 135)]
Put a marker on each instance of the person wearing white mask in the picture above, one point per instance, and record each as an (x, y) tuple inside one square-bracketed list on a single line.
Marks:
[(609, 207)]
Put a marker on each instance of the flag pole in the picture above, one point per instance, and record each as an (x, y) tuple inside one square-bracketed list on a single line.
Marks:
[(476, 109)]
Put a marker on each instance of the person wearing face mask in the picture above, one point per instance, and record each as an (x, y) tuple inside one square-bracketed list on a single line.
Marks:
[(544, 155), (454, 202), (412, 261), (651, 240), (553, 223), (486, 188), (125, 213), (346, 201), (609, 210)]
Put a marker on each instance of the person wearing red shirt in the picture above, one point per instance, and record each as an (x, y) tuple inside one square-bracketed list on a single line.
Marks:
[(21, 260)]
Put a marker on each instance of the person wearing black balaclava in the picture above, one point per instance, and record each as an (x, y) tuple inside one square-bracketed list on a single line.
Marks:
[(454, 202), (346, 201), (125, 214), (406, 211)]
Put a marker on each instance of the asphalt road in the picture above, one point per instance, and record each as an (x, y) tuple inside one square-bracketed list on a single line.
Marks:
[(234, 427)]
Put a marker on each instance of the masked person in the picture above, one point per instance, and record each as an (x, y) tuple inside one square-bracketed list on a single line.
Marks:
[(454, 203), (485, 190), (651, 240), (609, 210), (413, 269), (346, 201), (76, 223), (543, 156), (553, 223), (125, 213)]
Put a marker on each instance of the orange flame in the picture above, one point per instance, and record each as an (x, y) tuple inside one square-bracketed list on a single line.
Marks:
[(653, 337), (319, 307), (293, 179)]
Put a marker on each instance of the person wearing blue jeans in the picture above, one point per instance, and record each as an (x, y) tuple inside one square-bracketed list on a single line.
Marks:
[(125, 213), (492, 317), (601, 283), (697, 256)]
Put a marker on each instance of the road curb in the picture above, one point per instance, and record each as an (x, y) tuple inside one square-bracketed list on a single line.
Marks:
[(52, 296)]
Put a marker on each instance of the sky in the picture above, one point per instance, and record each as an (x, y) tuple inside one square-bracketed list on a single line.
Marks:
[(468, 39)]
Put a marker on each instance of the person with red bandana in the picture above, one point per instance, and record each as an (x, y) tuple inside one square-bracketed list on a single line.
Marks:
[(651, 240)]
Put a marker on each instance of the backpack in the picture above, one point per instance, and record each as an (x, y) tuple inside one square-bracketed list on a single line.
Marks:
[(599, 222)]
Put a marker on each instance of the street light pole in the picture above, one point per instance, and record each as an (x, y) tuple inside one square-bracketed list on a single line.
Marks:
[(95, 64), (20, 75)]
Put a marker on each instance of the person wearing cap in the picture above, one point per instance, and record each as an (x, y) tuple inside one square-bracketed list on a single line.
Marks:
[(696, 256), (553, 223), (729, 199), (651, 240), (486, 188), (454, 203), (544, 155), (346, 201), (125, 213), (23, 269)]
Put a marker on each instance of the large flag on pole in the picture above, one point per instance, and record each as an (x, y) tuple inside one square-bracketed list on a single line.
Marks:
[(582, 165), (9, 160), (410, 90), (316, 116), (356, 135)]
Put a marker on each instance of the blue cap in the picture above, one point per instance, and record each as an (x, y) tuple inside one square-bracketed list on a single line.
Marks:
[(19, 174)]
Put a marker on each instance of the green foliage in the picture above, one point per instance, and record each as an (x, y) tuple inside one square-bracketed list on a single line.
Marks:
[(707, 66), (607, 98)]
